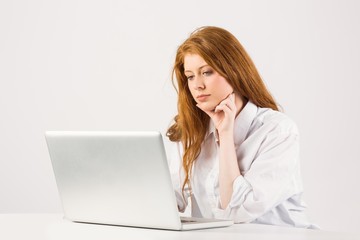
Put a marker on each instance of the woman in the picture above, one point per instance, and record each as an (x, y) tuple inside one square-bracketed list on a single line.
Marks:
[(236, 155)]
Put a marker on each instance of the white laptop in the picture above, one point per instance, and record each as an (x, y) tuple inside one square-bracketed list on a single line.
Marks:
[(117, 178)]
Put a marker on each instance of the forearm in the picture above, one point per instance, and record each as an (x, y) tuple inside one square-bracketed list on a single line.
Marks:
[(228, 167)]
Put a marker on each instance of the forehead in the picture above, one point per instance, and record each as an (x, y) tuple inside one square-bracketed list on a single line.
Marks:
[(192, 62)]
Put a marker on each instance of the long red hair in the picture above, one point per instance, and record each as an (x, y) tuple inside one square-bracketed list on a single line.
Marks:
[(223, 52)]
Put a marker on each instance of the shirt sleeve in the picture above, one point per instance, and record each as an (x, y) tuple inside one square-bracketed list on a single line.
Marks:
[(173, 152), (271, 179)]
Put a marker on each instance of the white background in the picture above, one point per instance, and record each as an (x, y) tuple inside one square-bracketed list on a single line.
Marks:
[(106, 65)]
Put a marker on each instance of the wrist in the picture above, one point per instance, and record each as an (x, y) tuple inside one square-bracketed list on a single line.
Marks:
[(226, 135)]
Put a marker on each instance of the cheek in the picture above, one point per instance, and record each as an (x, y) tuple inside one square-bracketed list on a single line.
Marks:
[(190, 88), (223, 88)]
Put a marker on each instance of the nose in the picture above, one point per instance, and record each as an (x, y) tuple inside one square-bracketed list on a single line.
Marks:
[(199, 83)]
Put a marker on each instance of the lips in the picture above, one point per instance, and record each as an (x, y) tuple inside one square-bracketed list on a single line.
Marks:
[(202, 97)]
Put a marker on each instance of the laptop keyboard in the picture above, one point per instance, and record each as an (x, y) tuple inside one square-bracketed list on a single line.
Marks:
[(190, 220), (187, 221)]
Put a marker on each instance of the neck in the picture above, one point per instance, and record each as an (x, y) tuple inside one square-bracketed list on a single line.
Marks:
[(240, 103)]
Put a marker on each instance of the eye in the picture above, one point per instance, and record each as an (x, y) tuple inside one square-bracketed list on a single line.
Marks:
[(207, 73), (189, 78)]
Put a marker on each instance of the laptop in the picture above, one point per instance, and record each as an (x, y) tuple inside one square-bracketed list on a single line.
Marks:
[(117, 178)]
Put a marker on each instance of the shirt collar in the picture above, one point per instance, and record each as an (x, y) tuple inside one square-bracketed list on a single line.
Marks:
[(212, 130), (242, 123)]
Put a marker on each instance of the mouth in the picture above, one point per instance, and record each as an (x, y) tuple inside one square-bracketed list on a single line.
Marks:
[(202, 97)]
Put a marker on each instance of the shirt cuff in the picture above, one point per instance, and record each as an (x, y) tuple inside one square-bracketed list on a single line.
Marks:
[(241, 187)]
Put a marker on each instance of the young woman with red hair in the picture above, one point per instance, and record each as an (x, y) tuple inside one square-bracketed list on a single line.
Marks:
[(236, 155)]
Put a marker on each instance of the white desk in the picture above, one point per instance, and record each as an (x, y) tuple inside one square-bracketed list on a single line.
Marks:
[(53, 226)]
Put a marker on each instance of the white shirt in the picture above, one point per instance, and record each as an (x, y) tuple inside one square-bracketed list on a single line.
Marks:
[(270, 187)]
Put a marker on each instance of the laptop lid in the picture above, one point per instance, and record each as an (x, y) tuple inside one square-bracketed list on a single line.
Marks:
[(119, 178)]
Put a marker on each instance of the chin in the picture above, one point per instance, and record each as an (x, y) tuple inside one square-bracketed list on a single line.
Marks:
[(208, 106)]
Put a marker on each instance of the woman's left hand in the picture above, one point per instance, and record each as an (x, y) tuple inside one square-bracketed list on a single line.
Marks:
[(224, 114)]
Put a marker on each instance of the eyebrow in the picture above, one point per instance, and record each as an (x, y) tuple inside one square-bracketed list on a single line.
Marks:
[(205, 65)]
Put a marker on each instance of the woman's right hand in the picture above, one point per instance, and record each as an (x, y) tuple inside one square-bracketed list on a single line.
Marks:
[(223, 115)]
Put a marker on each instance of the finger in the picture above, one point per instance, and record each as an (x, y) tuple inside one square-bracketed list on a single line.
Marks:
[(229, 103), (235, 108), (222, 107), (232, 97), (228, 107), (228, 112)]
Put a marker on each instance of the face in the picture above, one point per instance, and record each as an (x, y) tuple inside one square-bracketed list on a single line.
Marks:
[(207, 87)]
